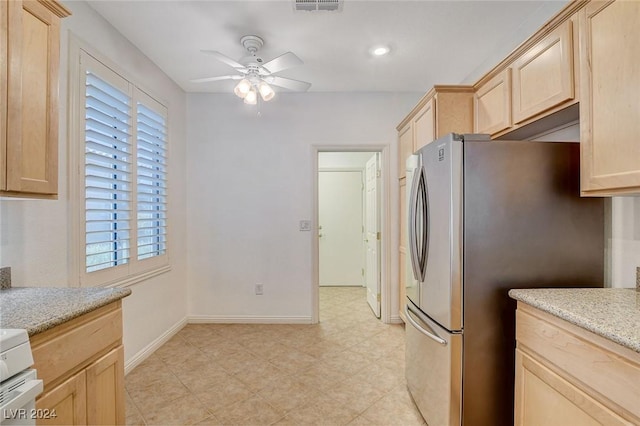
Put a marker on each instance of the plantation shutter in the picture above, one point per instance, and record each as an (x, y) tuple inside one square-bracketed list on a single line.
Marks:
[(151, 180), (108, 173)]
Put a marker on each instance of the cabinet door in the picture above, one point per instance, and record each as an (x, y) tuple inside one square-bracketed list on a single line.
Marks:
[(424, 125), (65, 404), (402, 250), (4, 63), (32, 118), (105, 389), (402, 294), (543, 76), (609, 107), (492, 104), (542, 397), (405, 148)]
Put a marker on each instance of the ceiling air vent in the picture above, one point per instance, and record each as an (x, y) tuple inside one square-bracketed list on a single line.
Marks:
[(315, 5)]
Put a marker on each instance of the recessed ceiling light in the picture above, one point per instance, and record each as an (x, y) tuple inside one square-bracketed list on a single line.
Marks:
[(380, 50)]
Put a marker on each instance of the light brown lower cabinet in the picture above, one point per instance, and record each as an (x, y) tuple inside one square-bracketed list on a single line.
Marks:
[(66, 404), (566, 375), (82, 365), (105, 389)]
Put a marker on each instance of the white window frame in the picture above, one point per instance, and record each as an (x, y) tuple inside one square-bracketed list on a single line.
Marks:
[(81, 58)]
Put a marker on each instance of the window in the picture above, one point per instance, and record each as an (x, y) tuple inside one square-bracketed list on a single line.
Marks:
[(124, 185), (151, 183)]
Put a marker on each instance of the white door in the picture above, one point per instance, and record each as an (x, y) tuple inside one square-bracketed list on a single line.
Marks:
[(340, 230), (372, 232)]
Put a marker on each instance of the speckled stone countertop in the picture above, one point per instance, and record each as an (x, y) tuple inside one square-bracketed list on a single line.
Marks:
[(38, 309), (613, 313)]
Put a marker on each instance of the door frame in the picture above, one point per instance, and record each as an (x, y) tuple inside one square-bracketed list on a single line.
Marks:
[(385, 226)]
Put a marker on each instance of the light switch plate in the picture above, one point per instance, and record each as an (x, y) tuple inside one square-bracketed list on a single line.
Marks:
[(305, 225)]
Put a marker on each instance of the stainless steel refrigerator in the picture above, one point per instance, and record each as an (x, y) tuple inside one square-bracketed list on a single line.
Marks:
[(484, 217)]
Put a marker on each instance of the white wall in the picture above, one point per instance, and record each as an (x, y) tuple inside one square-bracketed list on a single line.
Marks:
[(249, 182), (346, 160), (623, 245), (35, 235)]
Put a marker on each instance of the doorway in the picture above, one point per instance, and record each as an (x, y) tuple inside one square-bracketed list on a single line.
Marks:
[(349, 245)]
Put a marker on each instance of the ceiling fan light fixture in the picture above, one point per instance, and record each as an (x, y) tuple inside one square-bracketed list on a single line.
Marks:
[(251, 98), (256, 76), (243, 88), (266, 92)]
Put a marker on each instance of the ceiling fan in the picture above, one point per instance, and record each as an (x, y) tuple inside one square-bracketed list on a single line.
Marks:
[(254, 74)]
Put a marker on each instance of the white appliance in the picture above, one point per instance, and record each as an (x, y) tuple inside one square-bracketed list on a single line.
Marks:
[(19, 385), (486, 216)]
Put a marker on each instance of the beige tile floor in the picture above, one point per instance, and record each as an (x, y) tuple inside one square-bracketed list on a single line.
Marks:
[(349, 369)]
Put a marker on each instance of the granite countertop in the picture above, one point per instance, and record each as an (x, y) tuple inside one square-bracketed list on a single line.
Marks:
[(38, 309), (613, 313)]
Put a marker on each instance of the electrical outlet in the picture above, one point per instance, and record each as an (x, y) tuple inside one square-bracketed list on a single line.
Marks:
[(259, 289)]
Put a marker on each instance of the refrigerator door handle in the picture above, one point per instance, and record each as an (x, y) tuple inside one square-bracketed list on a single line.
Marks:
[(423, 239), (413, 238), (431, 334)]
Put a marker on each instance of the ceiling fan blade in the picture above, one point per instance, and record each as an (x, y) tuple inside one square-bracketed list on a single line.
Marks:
[(222, 77), (288, 83), (225, 59), (282, 62)]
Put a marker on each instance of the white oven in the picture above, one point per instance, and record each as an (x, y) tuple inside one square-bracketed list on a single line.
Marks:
[(19, 385)]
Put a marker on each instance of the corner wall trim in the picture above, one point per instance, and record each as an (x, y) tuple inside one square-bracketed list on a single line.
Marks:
[(238, 319), (135, 360)]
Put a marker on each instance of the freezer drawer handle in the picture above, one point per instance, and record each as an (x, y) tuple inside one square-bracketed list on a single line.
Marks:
[(430, 334)]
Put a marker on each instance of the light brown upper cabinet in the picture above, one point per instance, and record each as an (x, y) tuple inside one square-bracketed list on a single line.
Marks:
[(492, 104), (453, 111), (444, 109), (543, 75), (4, 64), (402, 250), (610, 88), (30, 60), (405, 148), (424, 124), (539, 79)]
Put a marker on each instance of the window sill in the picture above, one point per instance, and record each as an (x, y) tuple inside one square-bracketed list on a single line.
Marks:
[(135, 279)]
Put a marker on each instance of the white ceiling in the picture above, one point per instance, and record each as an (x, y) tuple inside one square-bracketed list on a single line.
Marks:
[(432, 42)]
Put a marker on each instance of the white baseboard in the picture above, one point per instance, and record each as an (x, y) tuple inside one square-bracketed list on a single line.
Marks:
[(153, 346), (238, 319), (395, 319)]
